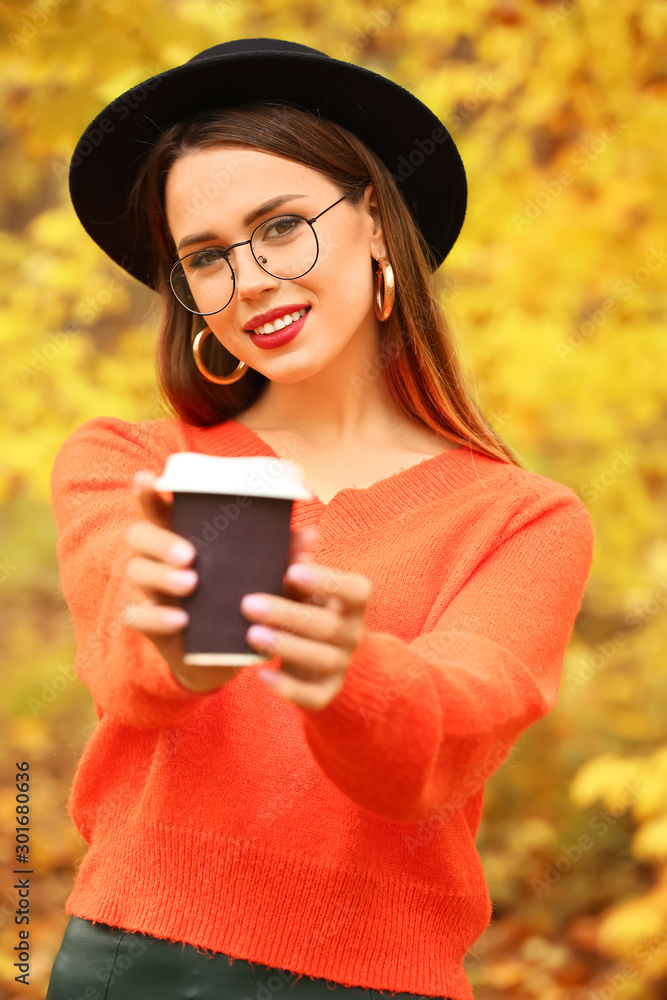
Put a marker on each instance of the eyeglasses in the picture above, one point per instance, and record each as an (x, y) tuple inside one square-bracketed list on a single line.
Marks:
[(285, 246)]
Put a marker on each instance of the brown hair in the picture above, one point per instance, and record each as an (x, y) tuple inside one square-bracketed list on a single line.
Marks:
[(417, 354)]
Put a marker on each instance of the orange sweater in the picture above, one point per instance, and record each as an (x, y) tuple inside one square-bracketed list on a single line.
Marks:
[(337, 843)]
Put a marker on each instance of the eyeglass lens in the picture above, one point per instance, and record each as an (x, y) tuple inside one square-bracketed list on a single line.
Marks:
[(285, 247)]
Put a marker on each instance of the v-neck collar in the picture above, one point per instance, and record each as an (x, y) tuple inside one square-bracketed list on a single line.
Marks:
[(386, 498)]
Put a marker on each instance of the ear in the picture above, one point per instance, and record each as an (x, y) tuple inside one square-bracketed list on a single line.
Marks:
[(377, 246)]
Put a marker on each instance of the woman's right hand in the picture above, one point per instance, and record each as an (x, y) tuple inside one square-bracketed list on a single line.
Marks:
[(164, 578)]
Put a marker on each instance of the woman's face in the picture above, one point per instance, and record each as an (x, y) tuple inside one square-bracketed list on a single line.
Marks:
[(211, 195)]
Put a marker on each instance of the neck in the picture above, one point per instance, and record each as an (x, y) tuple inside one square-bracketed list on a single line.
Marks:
[(343, 404)]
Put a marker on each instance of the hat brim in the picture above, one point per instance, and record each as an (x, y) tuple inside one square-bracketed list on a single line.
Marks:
[(412, 142)]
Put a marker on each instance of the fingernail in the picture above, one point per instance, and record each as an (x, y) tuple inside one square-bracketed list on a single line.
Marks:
[(269, 677), (181, 552), (138, 481), (176, 616), (255, 605), (184, 577), (299, 573), (262, 636)]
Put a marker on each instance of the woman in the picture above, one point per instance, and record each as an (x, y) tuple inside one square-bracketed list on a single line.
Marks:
[(315, 831)]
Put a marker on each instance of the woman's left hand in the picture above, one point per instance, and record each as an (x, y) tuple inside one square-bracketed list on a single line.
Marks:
[(315, 633)]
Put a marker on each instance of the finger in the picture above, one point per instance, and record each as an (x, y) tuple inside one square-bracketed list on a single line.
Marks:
[(151, 501), (160, 543), (345, 592), (156, 577), (319, 624), (302, 542), (155, 619), (300, 656), (306, 694)]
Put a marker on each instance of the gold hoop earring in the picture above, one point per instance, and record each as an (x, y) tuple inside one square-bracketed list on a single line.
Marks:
[(385, 288), (234, 376)]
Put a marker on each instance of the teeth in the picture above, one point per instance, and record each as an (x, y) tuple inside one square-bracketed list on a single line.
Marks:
[(280, 324)]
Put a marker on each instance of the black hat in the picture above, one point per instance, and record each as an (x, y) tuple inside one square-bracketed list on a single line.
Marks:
[(412, 142)]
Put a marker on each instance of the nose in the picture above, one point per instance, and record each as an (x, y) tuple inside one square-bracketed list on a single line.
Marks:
[(251, 279)]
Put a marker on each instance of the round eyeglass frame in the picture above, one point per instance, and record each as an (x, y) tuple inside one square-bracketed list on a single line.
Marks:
[(223, 253)]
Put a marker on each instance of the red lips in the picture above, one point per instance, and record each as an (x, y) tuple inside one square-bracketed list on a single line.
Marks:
[(261, 318)]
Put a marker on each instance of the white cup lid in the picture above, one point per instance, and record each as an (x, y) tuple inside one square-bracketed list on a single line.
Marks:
[(257, 475)]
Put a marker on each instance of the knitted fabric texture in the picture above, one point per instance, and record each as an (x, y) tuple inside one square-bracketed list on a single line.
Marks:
[(337, 843)]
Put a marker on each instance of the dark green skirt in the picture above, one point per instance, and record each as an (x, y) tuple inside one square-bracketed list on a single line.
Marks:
[(98, 962)]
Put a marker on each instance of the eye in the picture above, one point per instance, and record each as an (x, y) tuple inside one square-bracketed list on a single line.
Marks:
[(279, 228), (204, 258)]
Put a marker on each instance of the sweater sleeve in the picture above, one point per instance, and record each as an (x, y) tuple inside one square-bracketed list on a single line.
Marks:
[(418, 728), (93, 505)]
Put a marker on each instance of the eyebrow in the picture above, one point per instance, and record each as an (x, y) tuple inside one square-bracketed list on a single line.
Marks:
[(247, 220)]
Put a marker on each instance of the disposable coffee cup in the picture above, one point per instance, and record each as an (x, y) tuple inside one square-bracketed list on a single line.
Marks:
[(236, 512)]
